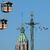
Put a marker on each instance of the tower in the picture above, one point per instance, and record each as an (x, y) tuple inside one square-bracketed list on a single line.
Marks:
[(22, 42)]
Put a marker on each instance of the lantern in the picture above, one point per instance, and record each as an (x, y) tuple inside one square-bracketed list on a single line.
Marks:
[(3, 24), (6, 7)]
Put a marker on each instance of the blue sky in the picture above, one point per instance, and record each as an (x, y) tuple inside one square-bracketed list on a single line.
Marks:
[(41, 10)]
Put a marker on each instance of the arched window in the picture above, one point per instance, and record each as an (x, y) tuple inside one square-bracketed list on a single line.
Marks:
[(19, 47), (24, 47)]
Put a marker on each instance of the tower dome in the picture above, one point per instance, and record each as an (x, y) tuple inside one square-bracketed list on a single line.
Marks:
[(22, 42)]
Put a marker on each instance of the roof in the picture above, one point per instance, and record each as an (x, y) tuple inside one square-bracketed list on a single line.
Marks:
[(3, 20), (22, 37), (7, 2)]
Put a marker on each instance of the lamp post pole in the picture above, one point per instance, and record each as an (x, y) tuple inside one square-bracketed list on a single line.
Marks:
[(31, 24)]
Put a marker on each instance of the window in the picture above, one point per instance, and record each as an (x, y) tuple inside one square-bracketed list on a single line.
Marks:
[(19, 47), (23, 46)]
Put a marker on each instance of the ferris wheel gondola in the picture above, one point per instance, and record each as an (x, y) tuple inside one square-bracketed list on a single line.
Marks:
[(6, 7), (3, 24)]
